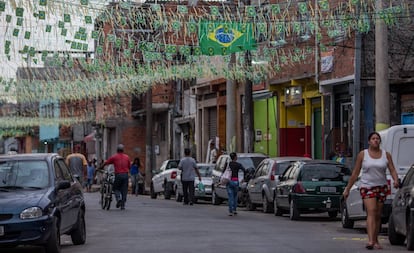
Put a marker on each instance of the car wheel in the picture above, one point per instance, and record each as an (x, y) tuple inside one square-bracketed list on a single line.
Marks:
[(152, 193), (410, 233), (78, 235), (294, 213), (267, 207), (167, 191), (215, 200), (332, 214), (277, 211), (393, 236), (53, 243), (249, 205), (346, 222)]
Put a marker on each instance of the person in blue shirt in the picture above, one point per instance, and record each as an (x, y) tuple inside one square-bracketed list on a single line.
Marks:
[(90, 170), (135, 175)]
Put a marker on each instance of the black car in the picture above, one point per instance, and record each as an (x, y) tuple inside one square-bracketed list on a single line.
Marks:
[(401, 220), (39, 201)]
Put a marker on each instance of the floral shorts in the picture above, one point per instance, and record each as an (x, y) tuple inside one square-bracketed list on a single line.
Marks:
[(379, 192)]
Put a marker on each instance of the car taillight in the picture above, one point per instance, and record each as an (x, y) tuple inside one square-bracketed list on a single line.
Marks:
[(173, 174), (272, 174), (298, 188), (389, 187)]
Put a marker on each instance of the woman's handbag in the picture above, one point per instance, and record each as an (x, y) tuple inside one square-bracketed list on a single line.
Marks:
[(226, 176)]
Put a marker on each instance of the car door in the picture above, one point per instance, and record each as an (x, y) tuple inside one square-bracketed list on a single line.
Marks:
[(402, 200), (221, 165), (355, 206), (254, 183), (283, 189), (63, 202), (157, 180)]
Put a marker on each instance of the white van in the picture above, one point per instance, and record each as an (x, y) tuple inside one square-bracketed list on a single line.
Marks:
[(399, 142)]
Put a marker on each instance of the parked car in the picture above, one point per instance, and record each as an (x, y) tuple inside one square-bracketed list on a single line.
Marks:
[(206, 171), (397, 140), (40, 200), (249, 161), (164, 179), (401, 220), (312, 186), (261, 186)]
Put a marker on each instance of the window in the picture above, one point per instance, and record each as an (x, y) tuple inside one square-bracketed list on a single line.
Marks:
[(66, 175)]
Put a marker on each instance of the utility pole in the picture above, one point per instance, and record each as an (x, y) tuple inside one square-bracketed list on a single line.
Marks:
[(382, 88), (248, 105), (248, 109), (231, 109), (149, 163)]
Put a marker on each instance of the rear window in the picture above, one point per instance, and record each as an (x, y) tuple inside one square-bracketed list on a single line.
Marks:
[(205, 170), (281, 167), (250, 162), (323, 172)]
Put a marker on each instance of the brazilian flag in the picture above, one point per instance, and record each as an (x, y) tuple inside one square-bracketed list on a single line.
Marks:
[(223, 38)]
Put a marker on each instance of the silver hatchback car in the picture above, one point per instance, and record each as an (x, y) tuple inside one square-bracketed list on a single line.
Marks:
[(266, 176)]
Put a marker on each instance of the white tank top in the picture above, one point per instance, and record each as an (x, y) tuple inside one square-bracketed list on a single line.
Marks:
[(374, 170)]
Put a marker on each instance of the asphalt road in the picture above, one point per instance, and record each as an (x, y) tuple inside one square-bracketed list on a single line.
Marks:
[(159, 225)]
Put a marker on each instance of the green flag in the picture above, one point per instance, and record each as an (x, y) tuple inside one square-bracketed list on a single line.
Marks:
[(223, 38)]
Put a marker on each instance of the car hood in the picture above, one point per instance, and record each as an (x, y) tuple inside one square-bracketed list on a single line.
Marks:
[(18, 200)]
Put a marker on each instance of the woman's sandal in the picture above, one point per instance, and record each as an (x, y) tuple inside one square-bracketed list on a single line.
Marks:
[(369, 246)]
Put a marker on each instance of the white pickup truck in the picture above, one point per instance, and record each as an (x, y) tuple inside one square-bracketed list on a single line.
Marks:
[(164, 179)]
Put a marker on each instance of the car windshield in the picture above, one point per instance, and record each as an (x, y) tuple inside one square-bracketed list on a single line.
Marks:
[(205, 170), (323, 172), (24, 174)]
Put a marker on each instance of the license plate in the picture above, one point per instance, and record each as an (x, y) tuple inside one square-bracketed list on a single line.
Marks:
[(327, 189), (1, 230)]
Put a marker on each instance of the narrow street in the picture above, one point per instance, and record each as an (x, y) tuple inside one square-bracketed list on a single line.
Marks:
[(160, 225)]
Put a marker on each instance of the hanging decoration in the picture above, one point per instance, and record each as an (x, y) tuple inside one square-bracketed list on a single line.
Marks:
[(125, 48)]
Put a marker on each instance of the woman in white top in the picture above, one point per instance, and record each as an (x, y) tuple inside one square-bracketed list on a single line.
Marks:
[(373, 184)]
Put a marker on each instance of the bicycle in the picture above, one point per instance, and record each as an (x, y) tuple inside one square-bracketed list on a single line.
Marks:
[(107, 184)]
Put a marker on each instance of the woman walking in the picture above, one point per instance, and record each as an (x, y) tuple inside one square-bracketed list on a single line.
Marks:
[(373, 184), (232, 186)]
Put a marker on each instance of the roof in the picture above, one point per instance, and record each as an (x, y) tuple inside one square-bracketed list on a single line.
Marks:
[(289, 158), (320, 161), (28, 156)]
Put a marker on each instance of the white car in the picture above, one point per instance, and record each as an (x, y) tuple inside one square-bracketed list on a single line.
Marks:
[(164, 179), (206, 171)]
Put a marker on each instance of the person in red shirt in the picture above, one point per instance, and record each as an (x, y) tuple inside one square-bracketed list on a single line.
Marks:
[(121, 163)]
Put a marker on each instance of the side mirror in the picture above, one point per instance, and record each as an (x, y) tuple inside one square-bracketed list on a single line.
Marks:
[(65, 184)]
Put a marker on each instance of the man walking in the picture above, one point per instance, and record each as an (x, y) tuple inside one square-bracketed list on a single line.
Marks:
[(188, 166), (121, 163), (77, 163)]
